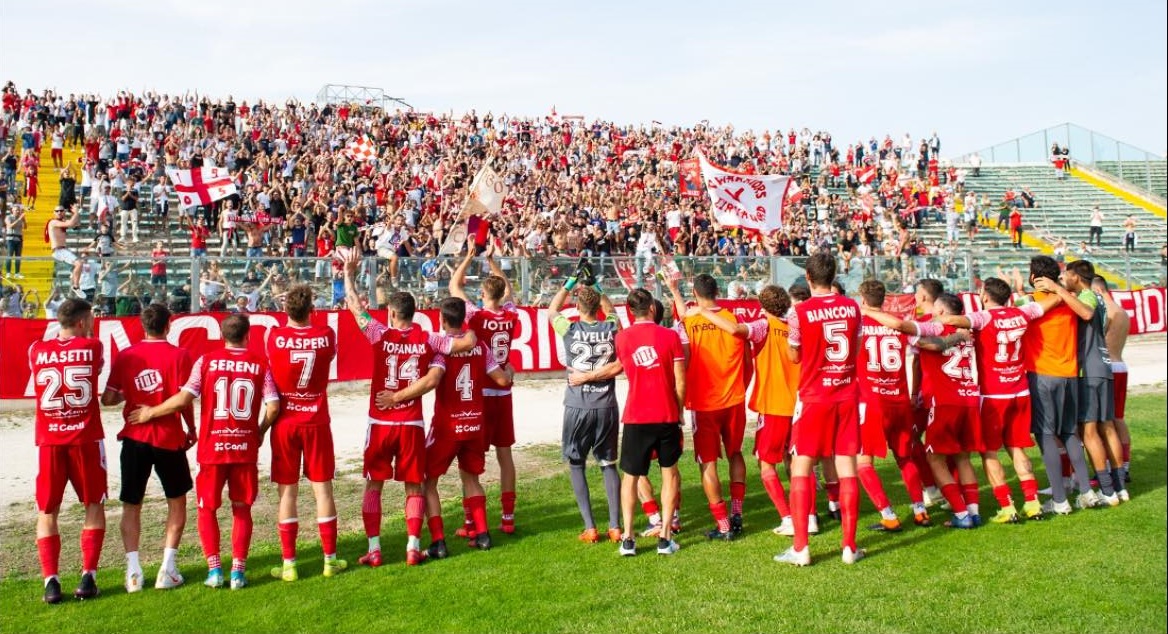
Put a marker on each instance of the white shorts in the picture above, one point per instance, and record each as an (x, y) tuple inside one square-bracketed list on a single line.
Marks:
[(65, 256)]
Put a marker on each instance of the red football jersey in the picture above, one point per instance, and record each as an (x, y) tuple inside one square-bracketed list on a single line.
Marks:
[(238, 383), (65, 374), (947, 377), (458, 401), (882, 373), (147, 373), (401, 357), (998, 343), (495, 328), (300, 358), (826, 328), (647, 352)]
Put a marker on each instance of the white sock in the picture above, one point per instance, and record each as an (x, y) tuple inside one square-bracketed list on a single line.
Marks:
[(655, 519), (887, 513), (962, 515), (973, 509), (169, 558), (918, 507), (374, 543), (413, 543), (132, 561), (50, 578), (832, 506)]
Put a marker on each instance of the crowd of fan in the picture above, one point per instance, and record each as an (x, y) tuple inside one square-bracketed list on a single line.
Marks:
[(575, 187)]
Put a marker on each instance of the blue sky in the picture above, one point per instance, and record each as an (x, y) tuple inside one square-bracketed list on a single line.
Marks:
[(977, 73)]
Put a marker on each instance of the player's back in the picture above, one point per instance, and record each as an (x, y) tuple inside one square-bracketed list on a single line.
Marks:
[(828, 328), (589, 346), (1051, 348), (458, 400), (148, 373), (714, 374), (232, 384), (776, 383), (496, 328), (647, 352), (999, 343), (400, 357), (300, 358), (882, 362), (65, 375), (949, 377)]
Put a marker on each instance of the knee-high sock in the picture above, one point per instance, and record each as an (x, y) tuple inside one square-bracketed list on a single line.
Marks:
[(371, 513), (208, 524), (1053, 464), (849, 510), (327, 527), (288, 530), (912, 480), (415, 509), (49, 550), (580, 489), (800, 508), (241, 528), (1078, 462), (612, 492), (774, 488), (91, 539), (872, 486)]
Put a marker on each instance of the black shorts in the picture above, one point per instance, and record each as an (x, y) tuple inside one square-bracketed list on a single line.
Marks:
[(138, 458), (590, 431), (638, 442)]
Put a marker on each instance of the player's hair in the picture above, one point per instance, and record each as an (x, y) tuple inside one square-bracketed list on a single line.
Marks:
[(799, 292), (932, 288), (587, 300), (658, 311), (821, 269), (1044, 266), (838, 287), (494, 287), (1099, 281), (640, 302), (72, 312), (453, 312), (403, 304), (1083, 269), (873, 292), (705, 286), (774, 300), (155, 318), (298, 302), (997, 290), (235, 328), (952, 303)]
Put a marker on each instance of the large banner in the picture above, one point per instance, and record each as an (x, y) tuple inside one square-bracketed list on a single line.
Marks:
[(535, 347), (749, 201)]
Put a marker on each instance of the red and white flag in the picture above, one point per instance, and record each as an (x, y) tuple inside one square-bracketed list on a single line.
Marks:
[(360, 148), (201, 186), (749, 201), (866, 174)]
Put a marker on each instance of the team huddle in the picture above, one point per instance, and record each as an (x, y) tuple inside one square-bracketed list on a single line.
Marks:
[(830, 383)]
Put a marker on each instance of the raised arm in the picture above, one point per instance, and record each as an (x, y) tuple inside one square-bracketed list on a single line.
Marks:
[(609, 309), (458, 277), (678, 300), (957, 321), (498, 270), (352, 299), (1084, 311)]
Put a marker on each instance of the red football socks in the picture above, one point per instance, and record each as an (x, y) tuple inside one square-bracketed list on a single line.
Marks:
[(737, 495), (415, 509), (801, 488), (478, 512), (371, 513), (91, 539), (850, 510), (288, 530), (969, 493), (49, 549), (911, 474), (241, 529), (1002, 495), (437, 528), (650, 508), (718, 510), (328, 535), (872, 486), (208, 525), (1029, 489), (774, 488), (952, 494)]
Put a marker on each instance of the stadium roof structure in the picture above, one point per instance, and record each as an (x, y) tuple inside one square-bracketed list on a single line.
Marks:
[(361, 95)]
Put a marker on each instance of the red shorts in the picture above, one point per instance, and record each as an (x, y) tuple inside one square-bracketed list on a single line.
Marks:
[(716, 429), (498, 420), (770, 439), (1005, 422), (395, 452), (920, 420), (821, 430), (886, 425), (83, 465), (442, 448), (953, 429), (314, 442), (1119, 383), (242, 480)]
